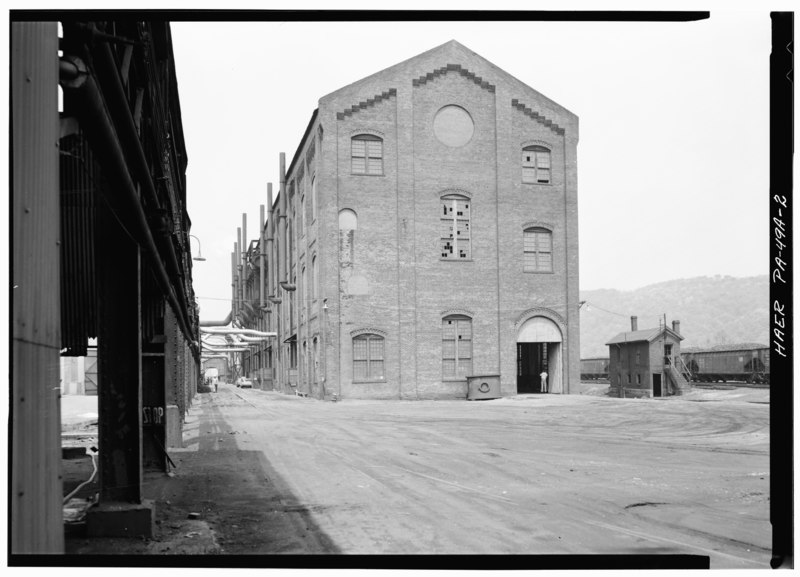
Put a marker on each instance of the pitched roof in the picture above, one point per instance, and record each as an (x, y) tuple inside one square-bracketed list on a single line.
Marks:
[(648, 335), (452, 56), (725, 348)]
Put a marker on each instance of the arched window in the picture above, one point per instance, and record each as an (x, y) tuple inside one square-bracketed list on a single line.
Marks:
[(456, 346), (455, 227), (368, 357), (366, 154), (538, 250), (536, 165)]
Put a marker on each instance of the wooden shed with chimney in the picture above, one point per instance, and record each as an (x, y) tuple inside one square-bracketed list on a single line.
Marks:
[(647, 363)]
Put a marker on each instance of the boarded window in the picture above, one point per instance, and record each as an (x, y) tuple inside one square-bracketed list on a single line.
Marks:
[(454, 225), (366, 153), (456, 346), (538, 250), (368, 357), (536, 165)]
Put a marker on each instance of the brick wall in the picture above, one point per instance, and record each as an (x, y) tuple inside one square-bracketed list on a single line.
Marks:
[(396, 281)]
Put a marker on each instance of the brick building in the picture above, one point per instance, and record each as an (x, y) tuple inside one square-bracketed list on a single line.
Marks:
[(431, 226), (647, 363)]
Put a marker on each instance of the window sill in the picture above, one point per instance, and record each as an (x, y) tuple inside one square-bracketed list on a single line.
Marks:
[(369, 381), (366, 174), (538, 183), (538, 272), (456, 259)]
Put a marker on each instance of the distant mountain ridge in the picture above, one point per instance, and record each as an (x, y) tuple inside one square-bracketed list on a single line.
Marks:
[(712, 310)]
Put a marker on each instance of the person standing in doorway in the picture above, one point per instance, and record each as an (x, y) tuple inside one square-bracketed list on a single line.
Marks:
[(543, 375)]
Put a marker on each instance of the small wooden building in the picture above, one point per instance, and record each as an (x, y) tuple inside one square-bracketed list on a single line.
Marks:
[(647, 363)]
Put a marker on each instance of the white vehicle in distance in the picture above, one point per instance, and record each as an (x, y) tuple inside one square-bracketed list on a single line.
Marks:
[(244, 383)]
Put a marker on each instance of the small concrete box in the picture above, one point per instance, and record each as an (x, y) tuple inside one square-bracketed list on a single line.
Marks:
[(483, 387)]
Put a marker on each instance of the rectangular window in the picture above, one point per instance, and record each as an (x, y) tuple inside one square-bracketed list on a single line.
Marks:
[(456, 347)]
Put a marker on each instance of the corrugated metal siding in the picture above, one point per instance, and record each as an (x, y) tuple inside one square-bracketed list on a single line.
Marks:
[(35, 489), (79, 177)]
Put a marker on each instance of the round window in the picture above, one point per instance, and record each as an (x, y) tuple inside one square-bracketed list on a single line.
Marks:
[(453, 126)]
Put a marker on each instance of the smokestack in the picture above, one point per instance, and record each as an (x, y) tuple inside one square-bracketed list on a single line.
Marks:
[(282, 276), (270, 251), (244, 244), (634, 324), (676, 327), (262, 251)]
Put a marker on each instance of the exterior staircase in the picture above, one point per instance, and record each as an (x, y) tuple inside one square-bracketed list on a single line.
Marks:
[(679, 378)]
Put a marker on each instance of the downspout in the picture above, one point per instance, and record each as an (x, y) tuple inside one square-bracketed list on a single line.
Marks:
[(95, 121)]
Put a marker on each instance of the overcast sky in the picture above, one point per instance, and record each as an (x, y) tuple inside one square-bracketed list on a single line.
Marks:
[(674, 123)]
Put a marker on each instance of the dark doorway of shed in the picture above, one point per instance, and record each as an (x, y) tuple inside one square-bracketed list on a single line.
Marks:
[(656, 385), (531, 361)]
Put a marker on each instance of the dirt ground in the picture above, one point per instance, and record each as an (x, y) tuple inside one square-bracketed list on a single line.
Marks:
[(580, 474)]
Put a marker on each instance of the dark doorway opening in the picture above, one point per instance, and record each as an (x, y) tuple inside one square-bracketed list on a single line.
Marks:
[(657, 385), (531, 361)]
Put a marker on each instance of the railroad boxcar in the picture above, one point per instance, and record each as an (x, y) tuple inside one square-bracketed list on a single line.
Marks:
[(746, 363), (594, 369)]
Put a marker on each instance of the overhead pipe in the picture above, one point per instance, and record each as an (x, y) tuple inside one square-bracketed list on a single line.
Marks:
[(99, 128), (230, 350), (233, 331), (236, 338), (222, 323)]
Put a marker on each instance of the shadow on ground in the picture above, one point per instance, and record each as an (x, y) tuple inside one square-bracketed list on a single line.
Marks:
[(217, 500)]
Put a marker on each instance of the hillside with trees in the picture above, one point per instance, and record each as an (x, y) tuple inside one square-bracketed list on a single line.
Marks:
[(714, 310)]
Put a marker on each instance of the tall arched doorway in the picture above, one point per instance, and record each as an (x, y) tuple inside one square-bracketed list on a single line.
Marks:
[(539, 350)]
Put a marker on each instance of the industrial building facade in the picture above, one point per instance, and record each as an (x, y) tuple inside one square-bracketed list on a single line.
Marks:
[(430, 233)]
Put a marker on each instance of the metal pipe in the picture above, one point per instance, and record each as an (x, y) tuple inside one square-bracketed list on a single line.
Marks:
[(282, 221), (232, 331), (95, 121), (238, 265), (221, 323), (270, 242), (233, 284), (261, 260), (245, 244)]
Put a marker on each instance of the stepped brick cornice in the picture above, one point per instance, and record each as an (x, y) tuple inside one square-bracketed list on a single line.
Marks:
[(536, 116), (454, 68), (367, 103)]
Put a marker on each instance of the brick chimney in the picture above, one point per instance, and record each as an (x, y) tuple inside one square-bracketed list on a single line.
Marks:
[(634, 324), (676, 327)]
